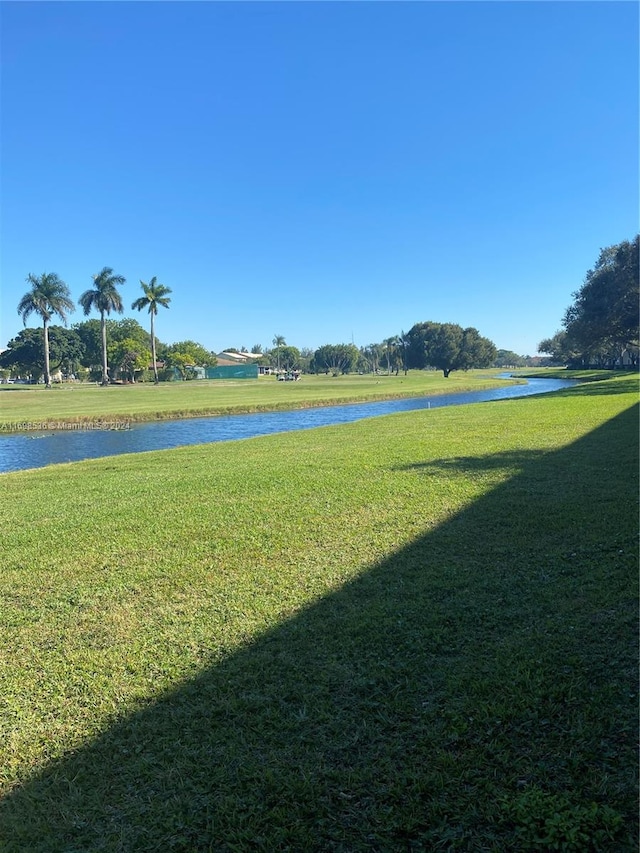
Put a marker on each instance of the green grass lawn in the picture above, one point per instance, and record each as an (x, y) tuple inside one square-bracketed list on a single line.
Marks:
[(21, 404), (413, 633)]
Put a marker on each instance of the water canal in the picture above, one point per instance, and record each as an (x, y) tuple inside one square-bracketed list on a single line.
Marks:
[(21, 451)]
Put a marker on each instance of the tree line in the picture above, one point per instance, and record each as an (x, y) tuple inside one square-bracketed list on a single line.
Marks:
[(601, 327), (107, 349), (49, 297)]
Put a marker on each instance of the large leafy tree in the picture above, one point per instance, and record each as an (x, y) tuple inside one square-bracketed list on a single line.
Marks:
[(508, 358), (89, 333), (448, 347), (288, 357), (127, 358), (105, 298), (25, 353), (603, 322), (185, 355), (560, 348), (373, 354), (49, 296), (117, 330), (155, 296), (337, 358)]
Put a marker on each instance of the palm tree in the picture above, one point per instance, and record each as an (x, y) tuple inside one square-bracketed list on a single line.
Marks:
[(403, 341), (104, 297), (154, 295), (49, 295), (389, 343), (278, 342)]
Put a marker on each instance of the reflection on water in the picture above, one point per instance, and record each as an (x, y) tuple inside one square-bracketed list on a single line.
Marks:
[(35, 450)]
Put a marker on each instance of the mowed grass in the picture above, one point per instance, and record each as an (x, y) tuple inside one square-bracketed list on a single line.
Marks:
[(412, 633), (21, 404)]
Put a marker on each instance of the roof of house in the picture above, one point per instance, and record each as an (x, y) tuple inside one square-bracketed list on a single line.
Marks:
[(237, 357)]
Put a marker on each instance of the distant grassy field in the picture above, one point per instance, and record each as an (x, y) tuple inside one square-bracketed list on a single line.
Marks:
[(70, 403), (409, 634)]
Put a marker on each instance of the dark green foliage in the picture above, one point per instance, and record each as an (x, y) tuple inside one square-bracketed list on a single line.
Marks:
[(508, 358), (286, 357), (117, 331), (601, 327), (49, 297), (335, 358), (447, 347), (546, 821), (25, 352)]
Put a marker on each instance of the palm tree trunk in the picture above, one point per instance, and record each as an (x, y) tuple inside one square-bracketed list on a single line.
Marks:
[(105, 366), (47, 372), (153, 352)]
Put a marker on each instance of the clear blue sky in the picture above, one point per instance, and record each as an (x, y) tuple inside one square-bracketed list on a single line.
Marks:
[(325, 171)]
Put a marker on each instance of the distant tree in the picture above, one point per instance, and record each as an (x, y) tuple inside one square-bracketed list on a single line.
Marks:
[(49, 296), (90, 334), (155, 296), (508, 358), (256, 349), (306, 357), (559, 348), (289, 357), (373, 353), (67, 350), (337, 358), (443, 347), (24, 354), (184, 355), (127, 358), (278, 341), (128, 327), (603, 321), (476, 351), (180, 361), (105, 298), (403, 344), (390, 345), (362, 365), (448, 347)]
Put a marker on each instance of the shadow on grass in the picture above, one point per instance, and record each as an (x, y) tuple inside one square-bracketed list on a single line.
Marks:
[(511, 460), (473, 691)]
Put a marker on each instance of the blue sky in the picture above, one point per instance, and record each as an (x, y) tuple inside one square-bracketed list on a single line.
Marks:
[(326, 171)]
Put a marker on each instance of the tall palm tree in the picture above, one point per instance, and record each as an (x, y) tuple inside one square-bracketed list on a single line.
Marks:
[(403, 341), (390, 343), (104, 297), (49, 295), (154, 295), (278, 342)]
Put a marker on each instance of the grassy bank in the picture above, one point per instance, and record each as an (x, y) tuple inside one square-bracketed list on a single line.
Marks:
[(142, 402), (412, 633)]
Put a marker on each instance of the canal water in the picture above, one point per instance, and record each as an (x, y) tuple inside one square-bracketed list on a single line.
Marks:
[(20, 451)]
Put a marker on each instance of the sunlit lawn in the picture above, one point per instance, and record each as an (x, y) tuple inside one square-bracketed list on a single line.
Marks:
[(412, 633), (143, 401)]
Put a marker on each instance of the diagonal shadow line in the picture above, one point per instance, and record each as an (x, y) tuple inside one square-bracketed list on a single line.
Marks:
[(406, 711)]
